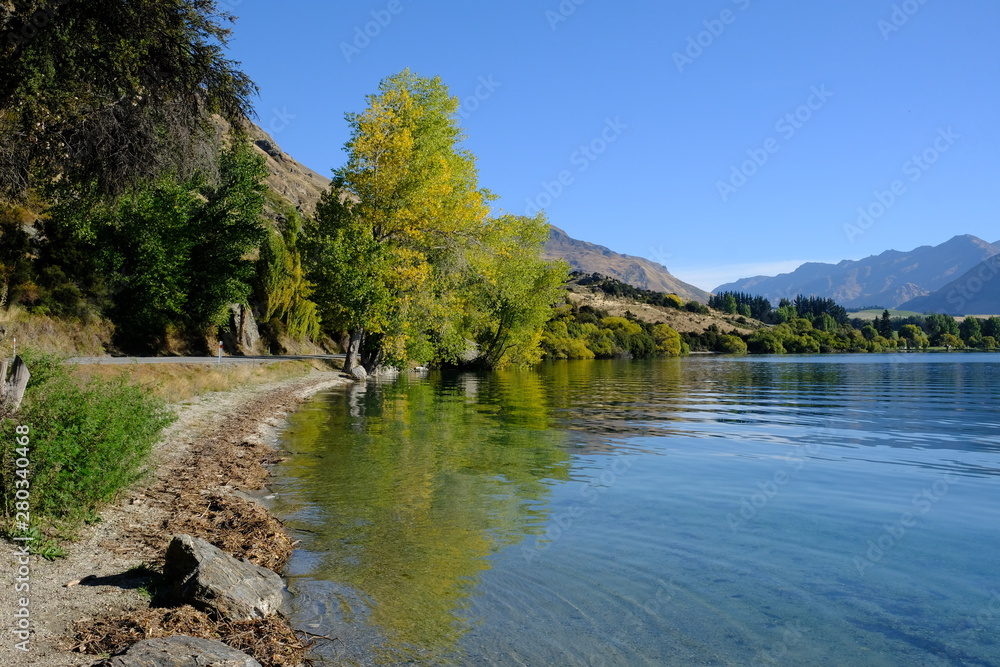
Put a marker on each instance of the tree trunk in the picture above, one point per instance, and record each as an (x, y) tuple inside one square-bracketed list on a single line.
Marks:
[(354, 349), (371, 360)]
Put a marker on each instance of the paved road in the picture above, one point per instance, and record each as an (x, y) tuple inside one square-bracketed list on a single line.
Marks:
[(199, 360)]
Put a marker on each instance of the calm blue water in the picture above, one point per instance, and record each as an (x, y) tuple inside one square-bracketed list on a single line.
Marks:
[(836, 510)]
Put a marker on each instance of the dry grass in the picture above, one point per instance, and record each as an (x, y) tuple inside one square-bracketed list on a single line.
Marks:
[(271, 641), (180, 382), (680, 320), (58, 336)]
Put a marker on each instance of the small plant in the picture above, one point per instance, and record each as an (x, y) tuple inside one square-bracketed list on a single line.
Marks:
[(41, 544), (88, 441), (150, 582)]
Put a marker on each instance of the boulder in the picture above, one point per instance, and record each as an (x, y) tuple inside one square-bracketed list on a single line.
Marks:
[(269, 147), (181, 651), (242, 335), (359, 373), (210, 579)]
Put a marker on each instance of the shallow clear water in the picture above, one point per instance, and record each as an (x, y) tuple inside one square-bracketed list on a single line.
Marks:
[(838, 510)]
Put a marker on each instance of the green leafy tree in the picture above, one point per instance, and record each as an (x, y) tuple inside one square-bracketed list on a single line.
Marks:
[(668, 341), (991, 327), (914, 335), (227, 228), (938, 325), (390, 234), (283, 288), (765, 341), (513, 289), (971, 331), (951, 341), (177, 251), (732, 344), (147, 245)]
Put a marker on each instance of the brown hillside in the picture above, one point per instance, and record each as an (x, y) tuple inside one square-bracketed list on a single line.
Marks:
[(291, 179), (680, 320), (636, 271)]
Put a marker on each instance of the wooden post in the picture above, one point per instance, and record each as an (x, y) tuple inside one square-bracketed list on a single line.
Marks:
[(14, 389)]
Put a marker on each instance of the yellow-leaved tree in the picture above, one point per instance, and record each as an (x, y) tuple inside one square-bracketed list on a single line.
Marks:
[(403, 251)]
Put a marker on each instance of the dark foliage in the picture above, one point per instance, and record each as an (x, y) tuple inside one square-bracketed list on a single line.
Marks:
[(105, 95)]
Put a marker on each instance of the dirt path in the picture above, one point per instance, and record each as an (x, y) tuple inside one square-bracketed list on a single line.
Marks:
[(217, 444)]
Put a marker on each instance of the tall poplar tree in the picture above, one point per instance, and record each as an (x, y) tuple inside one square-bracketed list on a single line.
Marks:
[(389, 235)]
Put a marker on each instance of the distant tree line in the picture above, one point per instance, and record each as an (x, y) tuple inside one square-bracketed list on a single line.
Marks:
[(590, 333), (616, 288), (747, 305), (810, 325)]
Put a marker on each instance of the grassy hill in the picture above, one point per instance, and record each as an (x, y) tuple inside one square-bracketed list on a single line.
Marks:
[(875, 313), (680, 319)]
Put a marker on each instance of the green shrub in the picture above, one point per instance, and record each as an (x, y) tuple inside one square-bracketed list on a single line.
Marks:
[(765, 341), (87, 442), (731, 344)]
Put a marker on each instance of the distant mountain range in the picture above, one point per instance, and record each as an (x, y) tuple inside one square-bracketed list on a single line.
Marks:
[(976, 292), (636, 271), (893, 279)]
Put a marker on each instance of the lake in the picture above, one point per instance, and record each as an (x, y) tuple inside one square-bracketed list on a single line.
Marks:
[(827, 510)]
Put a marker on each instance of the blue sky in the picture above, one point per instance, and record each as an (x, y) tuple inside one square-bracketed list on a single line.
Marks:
[(722, 138)]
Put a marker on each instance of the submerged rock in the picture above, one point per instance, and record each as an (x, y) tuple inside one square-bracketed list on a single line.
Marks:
[(181, 651), (210, 579)]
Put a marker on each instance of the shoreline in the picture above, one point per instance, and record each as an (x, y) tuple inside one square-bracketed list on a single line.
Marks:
[(219, 448)]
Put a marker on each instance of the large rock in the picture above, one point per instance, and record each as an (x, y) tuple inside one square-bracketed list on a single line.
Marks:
[(242, 336), (359, 373), (210, 579), (181, 651)]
